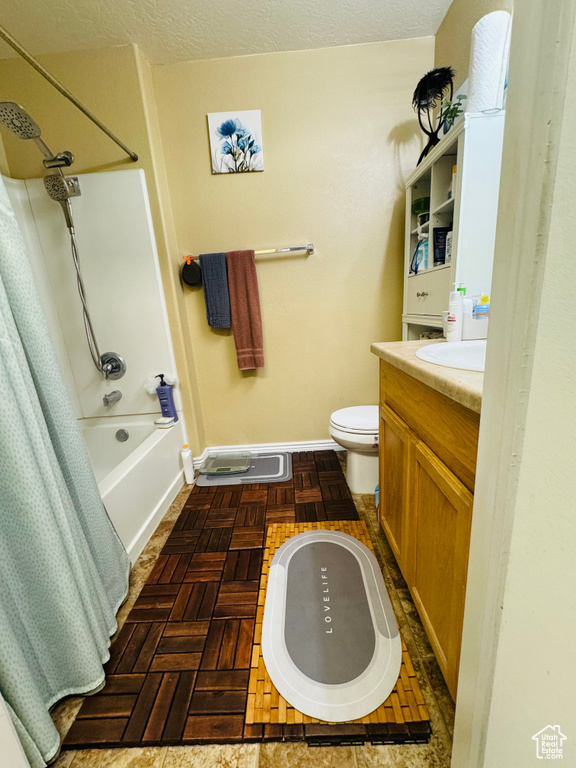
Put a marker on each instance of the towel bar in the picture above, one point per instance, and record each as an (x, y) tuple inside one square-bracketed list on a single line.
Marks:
[(308, 248)]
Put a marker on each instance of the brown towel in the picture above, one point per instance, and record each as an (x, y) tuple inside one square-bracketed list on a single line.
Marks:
[(245, 309)]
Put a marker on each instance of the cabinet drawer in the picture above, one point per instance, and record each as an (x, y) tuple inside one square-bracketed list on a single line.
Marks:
[(436, 288)]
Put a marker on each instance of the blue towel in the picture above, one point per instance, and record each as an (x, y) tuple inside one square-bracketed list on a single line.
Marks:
[(215, 285)]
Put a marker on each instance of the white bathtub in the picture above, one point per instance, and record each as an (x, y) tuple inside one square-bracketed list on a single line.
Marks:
[(138, 479)]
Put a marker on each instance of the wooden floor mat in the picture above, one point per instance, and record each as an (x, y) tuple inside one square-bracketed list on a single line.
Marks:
[(404, 706), (179, 671)]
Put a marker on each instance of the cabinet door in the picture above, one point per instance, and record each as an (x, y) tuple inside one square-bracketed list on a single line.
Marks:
[(396, 445), (440, 519)]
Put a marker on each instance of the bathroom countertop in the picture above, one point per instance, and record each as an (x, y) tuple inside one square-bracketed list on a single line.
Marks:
[(464, 387)]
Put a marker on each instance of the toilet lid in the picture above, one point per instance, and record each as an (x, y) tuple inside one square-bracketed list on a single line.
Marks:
[(360, 419)]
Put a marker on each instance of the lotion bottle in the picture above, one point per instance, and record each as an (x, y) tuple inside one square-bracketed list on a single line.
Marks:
[(166, 398), (454, 318), (187, 463)]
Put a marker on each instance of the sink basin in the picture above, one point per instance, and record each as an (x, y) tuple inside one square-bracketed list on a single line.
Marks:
[(466, 355)]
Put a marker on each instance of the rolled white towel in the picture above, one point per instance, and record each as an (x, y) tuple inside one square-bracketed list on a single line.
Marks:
[(151, 383), (489, 62)]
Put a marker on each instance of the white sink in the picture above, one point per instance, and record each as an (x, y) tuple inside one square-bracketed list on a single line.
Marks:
[(467, 355)]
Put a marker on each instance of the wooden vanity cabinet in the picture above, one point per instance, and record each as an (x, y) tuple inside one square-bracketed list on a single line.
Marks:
[(396, 449), (426, 503)]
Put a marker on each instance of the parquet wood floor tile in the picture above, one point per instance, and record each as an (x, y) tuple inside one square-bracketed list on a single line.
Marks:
[(180, 668)]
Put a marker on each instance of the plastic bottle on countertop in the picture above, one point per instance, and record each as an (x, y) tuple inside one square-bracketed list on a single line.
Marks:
[(467, 303), (187, 463), (454, 317)]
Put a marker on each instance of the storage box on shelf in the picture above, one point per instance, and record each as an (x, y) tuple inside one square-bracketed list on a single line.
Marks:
[(467, 205)]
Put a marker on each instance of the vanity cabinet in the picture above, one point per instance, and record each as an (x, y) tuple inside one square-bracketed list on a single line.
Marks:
[(396, 446), (428, 446), (467, 204)]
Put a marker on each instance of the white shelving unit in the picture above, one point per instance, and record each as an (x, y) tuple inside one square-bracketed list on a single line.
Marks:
[(474, 145)]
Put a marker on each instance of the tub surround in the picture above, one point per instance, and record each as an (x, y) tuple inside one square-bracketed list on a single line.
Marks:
[(464, 387), (429, 423)]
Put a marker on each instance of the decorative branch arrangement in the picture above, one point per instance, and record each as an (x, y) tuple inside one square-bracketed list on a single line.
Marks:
[(429, 94)]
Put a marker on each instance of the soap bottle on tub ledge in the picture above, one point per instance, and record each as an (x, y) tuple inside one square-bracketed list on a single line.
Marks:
[(166, 398)]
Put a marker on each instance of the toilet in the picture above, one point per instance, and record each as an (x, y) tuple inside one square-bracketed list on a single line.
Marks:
[(356, 429)]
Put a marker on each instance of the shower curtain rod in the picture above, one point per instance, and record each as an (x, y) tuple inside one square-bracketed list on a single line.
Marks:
[(7, 37), (308, 248)]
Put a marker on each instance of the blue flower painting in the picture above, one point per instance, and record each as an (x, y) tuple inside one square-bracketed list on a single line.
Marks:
[(236, 142)]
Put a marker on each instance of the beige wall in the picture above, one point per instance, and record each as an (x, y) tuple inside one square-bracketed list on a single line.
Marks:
[(339, 138), (115, 83), (106, 81), (453, 37)]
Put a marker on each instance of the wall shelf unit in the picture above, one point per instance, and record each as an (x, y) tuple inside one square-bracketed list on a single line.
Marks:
[(469, 209)]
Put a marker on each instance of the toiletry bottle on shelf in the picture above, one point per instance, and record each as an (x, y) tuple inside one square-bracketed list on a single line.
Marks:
[(166, 398), (454, 317), (449, 247), (467, 304), (452, 187), (187, 463)]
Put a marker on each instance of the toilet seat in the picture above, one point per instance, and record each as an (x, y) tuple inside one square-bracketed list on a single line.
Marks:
[(357, 420)]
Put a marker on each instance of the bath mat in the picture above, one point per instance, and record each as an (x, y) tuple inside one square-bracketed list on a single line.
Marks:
[(402, 717), (264, 468), (330, 640), (180, 667)]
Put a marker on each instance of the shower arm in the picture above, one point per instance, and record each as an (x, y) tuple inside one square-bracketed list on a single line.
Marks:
[(7, 37)]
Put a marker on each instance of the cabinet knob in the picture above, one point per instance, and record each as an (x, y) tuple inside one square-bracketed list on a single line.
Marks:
[(422, 294)]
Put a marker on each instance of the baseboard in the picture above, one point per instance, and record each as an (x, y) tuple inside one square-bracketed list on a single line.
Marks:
[(306, 445), (136, 546)]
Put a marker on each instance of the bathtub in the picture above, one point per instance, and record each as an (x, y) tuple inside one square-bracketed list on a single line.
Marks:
[(138, 479)]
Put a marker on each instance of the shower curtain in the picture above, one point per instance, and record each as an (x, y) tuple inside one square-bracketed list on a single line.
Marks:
[(63, 570)]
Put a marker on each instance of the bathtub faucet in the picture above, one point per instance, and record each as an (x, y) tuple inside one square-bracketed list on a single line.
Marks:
[(112, 397)]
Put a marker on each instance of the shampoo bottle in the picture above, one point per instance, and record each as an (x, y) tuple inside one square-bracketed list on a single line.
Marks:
[(454, 318), (166, 397)]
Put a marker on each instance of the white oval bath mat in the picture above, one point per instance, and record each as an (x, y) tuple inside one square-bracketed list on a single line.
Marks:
[(330, 640)]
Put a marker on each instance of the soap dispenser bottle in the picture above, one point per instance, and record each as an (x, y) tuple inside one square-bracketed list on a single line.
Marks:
[(166, 398), (454, 317)]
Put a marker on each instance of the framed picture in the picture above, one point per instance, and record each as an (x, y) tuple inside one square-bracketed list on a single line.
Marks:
[(236, 141)]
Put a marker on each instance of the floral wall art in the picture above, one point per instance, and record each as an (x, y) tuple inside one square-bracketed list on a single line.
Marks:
[(236, 141)]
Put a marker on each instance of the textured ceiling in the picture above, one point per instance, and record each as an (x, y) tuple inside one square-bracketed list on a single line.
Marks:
[(179, 30)]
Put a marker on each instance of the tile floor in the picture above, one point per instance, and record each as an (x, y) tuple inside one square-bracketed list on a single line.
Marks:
[(436, 754)]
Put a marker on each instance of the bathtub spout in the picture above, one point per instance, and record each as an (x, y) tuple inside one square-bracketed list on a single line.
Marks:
[(112, 397)]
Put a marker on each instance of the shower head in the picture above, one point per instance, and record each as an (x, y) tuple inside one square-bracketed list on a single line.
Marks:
[(61, 188), (17, 120)]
